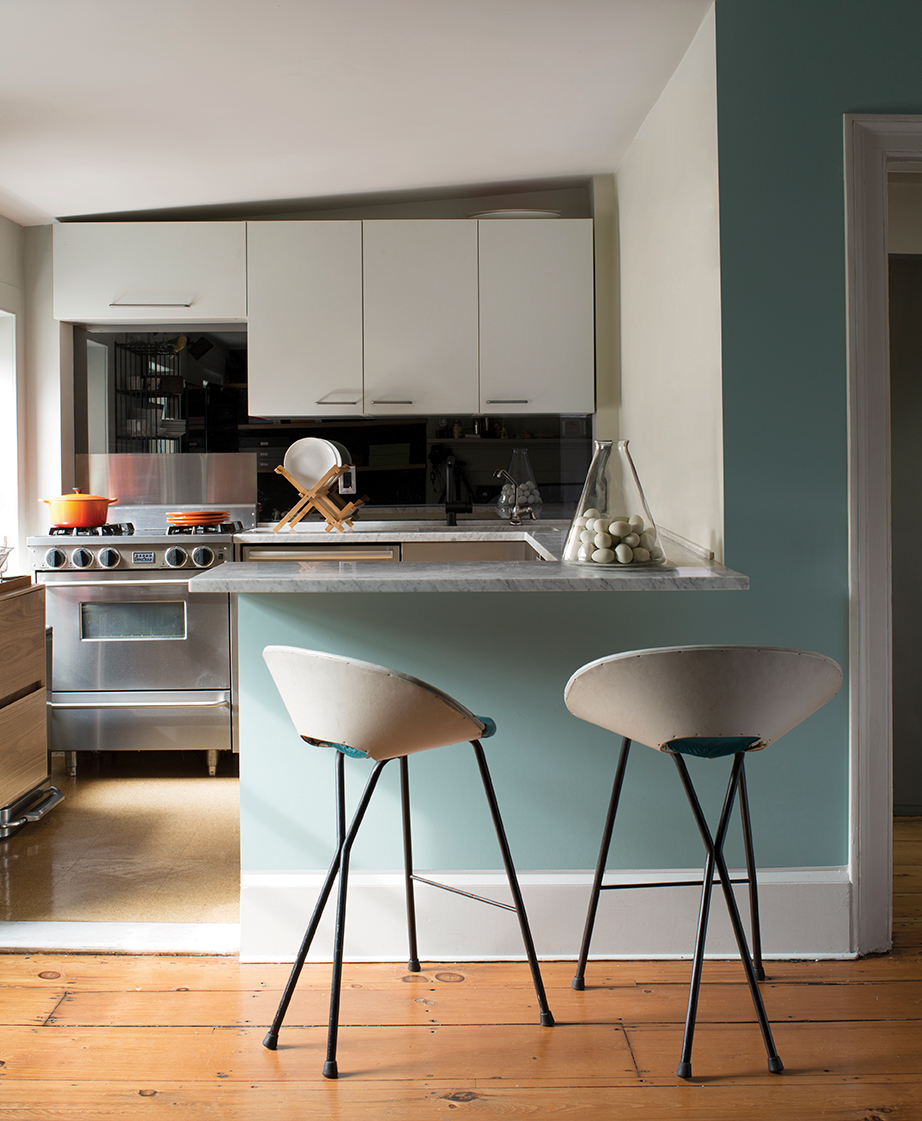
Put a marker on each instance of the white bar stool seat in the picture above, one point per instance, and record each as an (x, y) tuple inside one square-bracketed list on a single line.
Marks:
[(370, 712), (706, 701)]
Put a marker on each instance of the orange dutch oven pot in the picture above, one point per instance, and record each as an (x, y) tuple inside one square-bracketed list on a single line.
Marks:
[(78, 510)]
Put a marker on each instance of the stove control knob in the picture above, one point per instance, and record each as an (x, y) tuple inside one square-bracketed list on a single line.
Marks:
[(56, 558), (109, 558), (82, 558), (202, 557), (175, 558)]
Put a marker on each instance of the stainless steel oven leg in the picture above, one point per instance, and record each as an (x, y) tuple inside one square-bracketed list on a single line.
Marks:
[(212, 762), (70, 759)]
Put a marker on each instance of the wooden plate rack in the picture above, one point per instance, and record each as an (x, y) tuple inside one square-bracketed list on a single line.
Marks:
[(320, 497)]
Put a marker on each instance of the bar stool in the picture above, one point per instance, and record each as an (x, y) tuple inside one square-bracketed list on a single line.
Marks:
[(370, 712), (706, 701)]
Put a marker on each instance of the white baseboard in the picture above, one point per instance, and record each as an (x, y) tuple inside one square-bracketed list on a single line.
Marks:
[(805, 914), (120, 937)]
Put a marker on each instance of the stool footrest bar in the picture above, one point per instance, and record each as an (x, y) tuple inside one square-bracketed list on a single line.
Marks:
[(467, 894), (666, 883)]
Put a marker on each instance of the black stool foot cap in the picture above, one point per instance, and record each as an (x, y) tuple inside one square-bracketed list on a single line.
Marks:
[(413, 965), (547, 1019), (330, 1069), (683, 1070), (775, 1065), (271, 1041), (578, 983), (759, 972)]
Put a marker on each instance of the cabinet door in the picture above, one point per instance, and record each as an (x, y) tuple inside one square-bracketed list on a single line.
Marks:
[(150, 272), (304, 330), (420, 317), (537, 343)]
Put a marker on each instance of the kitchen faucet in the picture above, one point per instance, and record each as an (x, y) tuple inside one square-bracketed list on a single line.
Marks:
[(453, 507), (515, 517)]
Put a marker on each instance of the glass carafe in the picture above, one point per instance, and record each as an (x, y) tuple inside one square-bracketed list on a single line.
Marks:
[(613, 526), (522, 491)]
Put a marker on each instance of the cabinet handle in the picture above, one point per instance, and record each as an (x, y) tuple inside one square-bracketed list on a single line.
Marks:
[(508, 401), (118, 303), (325, 400), (392, 402)]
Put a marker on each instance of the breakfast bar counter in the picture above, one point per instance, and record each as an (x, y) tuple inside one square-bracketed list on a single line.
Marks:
[(506, 655)]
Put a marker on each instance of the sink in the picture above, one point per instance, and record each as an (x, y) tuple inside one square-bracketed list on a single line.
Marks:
[(469, 551)]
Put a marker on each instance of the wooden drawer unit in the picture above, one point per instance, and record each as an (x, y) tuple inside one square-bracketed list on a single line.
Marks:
[(23, 724), (22, 642)]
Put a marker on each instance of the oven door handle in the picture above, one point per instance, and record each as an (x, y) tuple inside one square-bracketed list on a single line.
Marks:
[(225, 703), (110, 583)]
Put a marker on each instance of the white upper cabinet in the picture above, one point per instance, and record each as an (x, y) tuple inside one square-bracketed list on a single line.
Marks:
[(304, 330), (421, 336), (537, 341), (150, 272)]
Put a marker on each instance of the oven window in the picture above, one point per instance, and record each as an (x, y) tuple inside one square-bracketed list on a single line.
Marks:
[(106, 621)]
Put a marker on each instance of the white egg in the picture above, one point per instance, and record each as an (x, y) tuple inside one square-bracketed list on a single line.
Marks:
[(624, 553), (641, 556), (584, 553), (637, 522), (580, 523), (602, 541), (656, 552), (603, 556), (620, 528), (587, 536), (590, 514), (630, 539), (647, 540)]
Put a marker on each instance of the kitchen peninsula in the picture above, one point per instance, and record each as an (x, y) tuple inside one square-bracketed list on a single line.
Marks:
[(507, 655)]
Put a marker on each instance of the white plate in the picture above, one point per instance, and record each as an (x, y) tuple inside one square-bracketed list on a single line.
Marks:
[(517, 214), (308, 460)]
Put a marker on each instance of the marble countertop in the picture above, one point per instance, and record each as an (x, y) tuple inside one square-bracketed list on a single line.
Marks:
[(687, 569), (460, 576)]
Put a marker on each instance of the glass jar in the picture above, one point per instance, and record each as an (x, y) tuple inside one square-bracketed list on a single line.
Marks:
[(522, 491), (613, 526)]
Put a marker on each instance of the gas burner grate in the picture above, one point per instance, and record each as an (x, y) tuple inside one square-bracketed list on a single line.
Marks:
[(110, 529), (190, 530)]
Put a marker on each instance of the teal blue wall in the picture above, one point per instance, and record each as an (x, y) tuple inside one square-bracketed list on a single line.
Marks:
[(787, 71)]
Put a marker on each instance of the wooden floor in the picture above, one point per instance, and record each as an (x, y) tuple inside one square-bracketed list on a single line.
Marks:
[(88, 1036)]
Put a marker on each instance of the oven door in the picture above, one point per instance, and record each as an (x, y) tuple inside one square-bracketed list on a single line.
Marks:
[(139, 631), (141, 721)]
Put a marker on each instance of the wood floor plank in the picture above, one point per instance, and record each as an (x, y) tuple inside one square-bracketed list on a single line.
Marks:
[(460, 1004), (786, 1099), (448, 1052), (810, 1053), (28, 1006)]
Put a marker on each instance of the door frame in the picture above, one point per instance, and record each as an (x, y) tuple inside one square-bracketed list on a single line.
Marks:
[(873, 145)]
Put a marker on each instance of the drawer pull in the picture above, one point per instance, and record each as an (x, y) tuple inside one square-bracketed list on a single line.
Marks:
[(392, 402), (119, 303), (508, 401)]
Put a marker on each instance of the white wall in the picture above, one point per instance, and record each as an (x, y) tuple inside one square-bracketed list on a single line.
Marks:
[(667, 198), (11, 318), (46, 396)]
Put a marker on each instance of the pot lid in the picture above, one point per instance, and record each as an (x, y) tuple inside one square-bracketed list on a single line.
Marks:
[(79, 496)]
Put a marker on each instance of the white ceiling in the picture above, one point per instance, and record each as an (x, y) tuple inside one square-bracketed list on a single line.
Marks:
[(109, 106)]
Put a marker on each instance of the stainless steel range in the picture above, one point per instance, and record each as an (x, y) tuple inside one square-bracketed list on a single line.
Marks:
[(139, 664)]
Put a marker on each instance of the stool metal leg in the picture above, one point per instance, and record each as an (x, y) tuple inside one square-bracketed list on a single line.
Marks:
[(755, 923), (579, 980), (413, 962), (272, 1035), (547, 1018), (714, 849), (329, 1067)]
